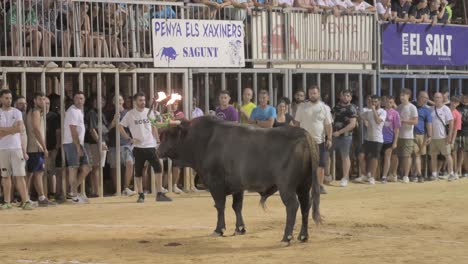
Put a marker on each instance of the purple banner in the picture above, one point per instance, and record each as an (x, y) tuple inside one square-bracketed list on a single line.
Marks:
[(422, 44)]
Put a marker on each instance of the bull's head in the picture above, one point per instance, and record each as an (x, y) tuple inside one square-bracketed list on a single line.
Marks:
[(172, 141)]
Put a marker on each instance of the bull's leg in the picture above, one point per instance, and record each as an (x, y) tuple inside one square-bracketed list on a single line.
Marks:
[(237, 201), (304, 199), (220, 204), (289, 199)]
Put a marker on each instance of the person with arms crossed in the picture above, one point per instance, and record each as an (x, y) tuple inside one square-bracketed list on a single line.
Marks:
[(263, 115)]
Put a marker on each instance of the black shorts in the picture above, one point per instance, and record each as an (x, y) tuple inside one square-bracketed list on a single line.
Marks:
[(146, 154), (323, 153), (386, 146), (35, 162), (372, 149)]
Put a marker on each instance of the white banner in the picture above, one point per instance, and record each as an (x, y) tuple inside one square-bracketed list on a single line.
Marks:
[(198, 43)]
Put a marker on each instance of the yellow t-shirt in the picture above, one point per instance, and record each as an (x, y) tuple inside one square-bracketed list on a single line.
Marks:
[(248, 108)]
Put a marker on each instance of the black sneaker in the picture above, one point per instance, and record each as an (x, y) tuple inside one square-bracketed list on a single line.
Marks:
[(383, 180), (414, 179), (141, 198), (161, 197), (45, 203), (322, 190), (420, 179)]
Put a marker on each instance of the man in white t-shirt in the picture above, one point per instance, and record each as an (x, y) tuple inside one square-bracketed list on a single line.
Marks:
[(344, 6), (384, 10), (408, 117), (361, 5), (375, 122), (440, 144), (314, 117), (73, 146), (144, 139), (13, 154)]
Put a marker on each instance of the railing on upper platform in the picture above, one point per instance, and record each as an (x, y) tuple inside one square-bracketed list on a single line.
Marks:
[(116, 31)]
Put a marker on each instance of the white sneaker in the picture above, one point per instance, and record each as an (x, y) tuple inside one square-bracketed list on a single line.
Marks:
[(194, 189), (405, 179), (164, 190), (361, 179), (129, 192), (371, 181), (344, 182), (176, 189), (452, 177)]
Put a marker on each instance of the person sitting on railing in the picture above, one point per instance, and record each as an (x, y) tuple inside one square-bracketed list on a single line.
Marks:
[(285, 3), (116, 18), (419, 13), (241, 9), (329, 7), (47, 19), (310, 5), (361, 5), (29, 31), (400, 10), (214, 6), (384, 10), (344, 6), (264, 4), (437, 12)]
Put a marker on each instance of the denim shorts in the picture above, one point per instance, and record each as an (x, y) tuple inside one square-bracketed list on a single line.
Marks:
[(125, 156), (72, 158), (36, 162), (342, 145)]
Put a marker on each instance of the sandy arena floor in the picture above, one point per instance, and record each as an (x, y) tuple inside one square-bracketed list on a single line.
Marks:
[(393, 223)]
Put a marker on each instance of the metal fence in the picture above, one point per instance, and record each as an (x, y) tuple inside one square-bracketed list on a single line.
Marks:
[(113, 33)]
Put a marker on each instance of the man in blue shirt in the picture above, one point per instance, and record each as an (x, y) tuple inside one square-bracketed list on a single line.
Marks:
[(422, 130), (263, 115)]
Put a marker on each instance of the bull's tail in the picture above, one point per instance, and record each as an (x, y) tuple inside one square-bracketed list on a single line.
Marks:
[(159, 53), (314, 159), (264, 196)]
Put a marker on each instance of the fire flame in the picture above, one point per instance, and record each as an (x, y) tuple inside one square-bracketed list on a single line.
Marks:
[(174, 97), (161, 96)]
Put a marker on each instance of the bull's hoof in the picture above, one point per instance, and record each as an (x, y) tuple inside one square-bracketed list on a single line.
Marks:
[(303, 238), (216, 234), (240, 231)]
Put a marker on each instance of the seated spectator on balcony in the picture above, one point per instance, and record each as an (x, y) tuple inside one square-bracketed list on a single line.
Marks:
[(328, 6), (361, 5), (285, 3), (241, 9), (310, 5), (263, 4), (63, 30), (214, 6), (46, 12), (344, 6), (419, 13), (163, 11), (384, 10), (116, 21), (437, 12), (29, 31), (400, 11)]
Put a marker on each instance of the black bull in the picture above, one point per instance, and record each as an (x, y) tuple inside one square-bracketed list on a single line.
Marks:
[(233, 158)]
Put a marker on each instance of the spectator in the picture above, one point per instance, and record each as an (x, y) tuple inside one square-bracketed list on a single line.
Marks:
[(53, 137), (299, 98), (241, 9), (463, 134), (328, 6), (144, 137), (400, 11), (214, 6), (344, 6), (126, 155), (418, 12), (176, 164), (441, 118), (12, 152), (409, 118), (310, 5), (437, 12), (30, 32), (361, 5), (345, 115), (375, 119), (457, 125), (390, 133), (73, 146), (314, 117), (22, 105), (283, 118), (247, 106), (47, 17), (96, 153), (384, 10), (196, 112), (422, 133), (263, 4), (362, 147), (285, 3), (225, 111), (263, 115), (36, 147), (449, 9)]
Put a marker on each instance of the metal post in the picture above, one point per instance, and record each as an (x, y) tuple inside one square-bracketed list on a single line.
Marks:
[(118, 166), (190, 91), (23, 83), (207, 93), (255, 87), (169, 83), (134, 82), (62, 117), (333, 165), (239, 88), (415, 81), (438, 84), (319, 80), (304, 82), (80, 87), (426, 84), (270, 87), (45, 181), (100, 142), (223, 81), (151, 95), (460, 90), (187, 109)]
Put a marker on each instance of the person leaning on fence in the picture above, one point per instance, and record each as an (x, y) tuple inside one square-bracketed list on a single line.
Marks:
[(384, 10), (361, 5), (263, 115), (457, 125), (344, 6), (329, 7), (13, 154), (422, 133), (214, 6), (437, 14), (442, 127), (390, 134), (310, 5), (400, 10), (419, 13)]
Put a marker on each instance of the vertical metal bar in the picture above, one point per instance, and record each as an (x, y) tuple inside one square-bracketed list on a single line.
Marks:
[(239, 89), (151, 95), (333, 81), (62, 117), (169, 83), (414, 88), (100, 142), (270, 87), (118, 166), (438, 84), (44, 119), (449, 87), (391, 87), (190, 91), (319, 79), (460, 90), (402, 84), (333, 99), (223, 81), (255, 87), (23, 83), (187, 109), (135, 82), (304, 82), (207, 93), (80, 81)]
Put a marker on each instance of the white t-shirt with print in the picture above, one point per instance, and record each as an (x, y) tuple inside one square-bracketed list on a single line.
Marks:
[(9, 118), (374, 130), (407, 112), (438, 127), (140, 127), (74, 117), (343, 3), (381, 9), (361, 6), (313, 117)]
